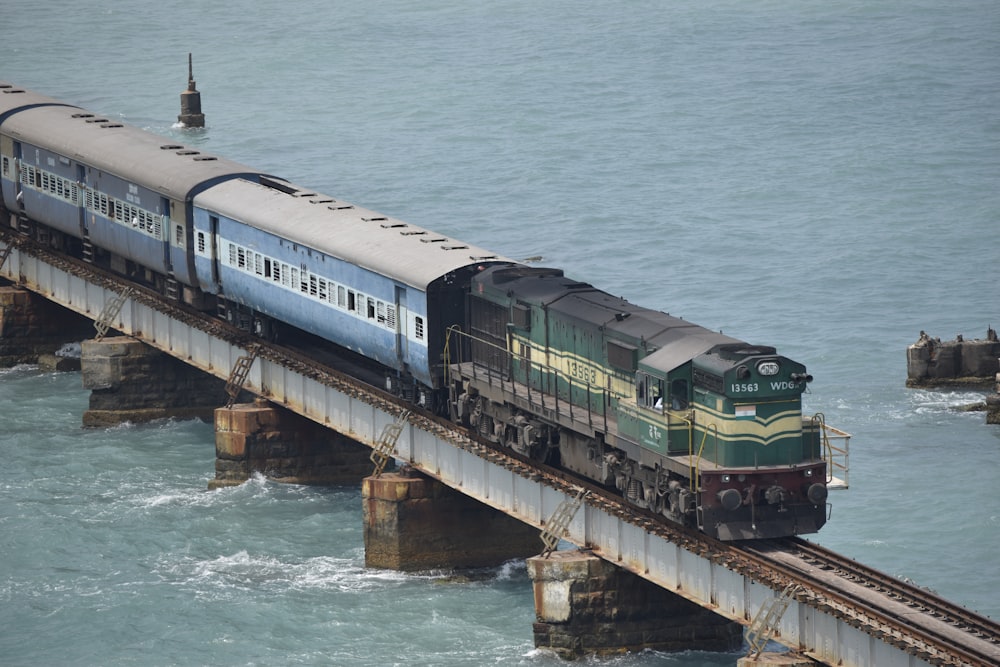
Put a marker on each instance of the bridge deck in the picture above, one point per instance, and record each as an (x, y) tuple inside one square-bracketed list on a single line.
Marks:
[(682, 563)]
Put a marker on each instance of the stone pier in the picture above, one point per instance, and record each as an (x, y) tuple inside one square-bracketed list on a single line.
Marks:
[(413, 522), (32, 326), (958, 363), (954, 363), (133, 382), (587, 606), (264, 438)]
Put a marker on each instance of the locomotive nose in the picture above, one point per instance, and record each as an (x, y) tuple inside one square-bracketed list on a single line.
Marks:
[(817, 493)]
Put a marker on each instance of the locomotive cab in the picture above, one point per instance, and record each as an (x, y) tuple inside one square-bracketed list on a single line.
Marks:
[(759, 472)]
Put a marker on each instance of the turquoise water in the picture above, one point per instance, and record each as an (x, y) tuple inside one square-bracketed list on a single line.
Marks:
[(817, 176)]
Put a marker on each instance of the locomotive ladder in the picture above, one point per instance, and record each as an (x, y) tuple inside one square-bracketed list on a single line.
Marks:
[(238, 376), (111, 310), (765, 622), (382, 451), (556, 526)]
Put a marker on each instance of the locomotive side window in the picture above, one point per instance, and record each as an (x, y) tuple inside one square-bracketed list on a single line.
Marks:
[(649, 391)]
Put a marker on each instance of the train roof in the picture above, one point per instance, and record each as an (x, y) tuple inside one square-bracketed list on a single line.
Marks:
[(158, 163), (674, 340), (385, 245), (14, 98)]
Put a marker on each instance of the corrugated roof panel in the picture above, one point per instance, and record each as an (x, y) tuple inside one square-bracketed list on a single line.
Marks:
[(386, 245), (156, 162)]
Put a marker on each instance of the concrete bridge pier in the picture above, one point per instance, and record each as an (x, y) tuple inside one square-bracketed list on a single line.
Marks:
[(31, 326), (261, 437), (130, 381), (413, 522), (587, 606)]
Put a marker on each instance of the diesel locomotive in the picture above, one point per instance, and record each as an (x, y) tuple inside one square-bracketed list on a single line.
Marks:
[(701, 428)]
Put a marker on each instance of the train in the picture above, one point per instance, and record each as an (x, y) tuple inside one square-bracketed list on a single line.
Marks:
[(700, 428)]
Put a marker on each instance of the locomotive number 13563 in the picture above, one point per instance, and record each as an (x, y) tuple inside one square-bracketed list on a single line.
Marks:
[(743, 387)]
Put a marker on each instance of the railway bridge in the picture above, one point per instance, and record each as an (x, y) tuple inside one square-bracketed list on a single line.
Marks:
[(826, 608)]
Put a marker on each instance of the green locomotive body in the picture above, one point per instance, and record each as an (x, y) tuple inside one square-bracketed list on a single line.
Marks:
[(702, 428)]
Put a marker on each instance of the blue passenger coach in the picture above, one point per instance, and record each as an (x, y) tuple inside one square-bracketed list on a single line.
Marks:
[(119, 190), (368, 282)]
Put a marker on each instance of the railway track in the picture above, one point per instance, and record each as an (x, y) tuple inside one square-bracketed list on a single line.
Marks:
[(894, 611)]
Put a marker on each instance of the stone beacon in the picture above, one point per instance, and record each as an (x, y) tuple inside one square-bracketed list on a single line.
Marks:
[(191, 115)]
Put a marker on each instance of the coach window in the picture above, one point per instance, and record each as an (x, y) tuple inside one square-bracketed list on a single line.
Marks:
[(418, 324)]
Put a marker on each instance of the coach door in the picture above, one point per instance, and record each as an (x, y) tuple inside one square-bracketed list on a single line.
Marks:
[(402, 319)]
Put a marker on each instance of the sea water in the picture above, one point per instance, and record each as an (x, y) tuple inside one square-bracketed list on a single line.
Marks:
[(817, 176)]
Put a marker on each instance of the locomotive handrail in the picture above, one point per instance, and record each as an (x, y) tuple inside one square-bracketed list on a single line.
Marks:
[(831, 453), (696, 460), (547, 374)]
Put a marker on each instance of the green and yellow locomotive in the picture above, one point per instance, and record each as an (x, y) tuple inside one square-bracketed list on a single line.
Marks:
[(702, 428)]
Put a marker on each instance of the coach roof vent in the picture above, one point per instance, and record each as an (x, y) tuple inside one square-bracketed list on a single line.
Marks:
[(107, 125), (171, 147), (278, 184), (188, 152), (82, 115)]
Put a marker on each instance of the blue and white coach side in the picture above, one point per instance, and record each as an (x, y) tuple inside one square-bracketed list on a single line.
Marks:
[(370, 283), (125, 191)]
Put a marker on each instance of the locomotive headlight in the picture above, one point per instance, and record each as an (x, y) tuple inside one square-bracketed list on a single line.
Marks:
[(768, 368), (808, 473), (725, 479)]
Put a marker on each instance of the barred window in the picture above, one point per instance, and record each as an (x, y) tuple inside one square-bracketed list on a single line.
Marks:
[(418, 325)]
